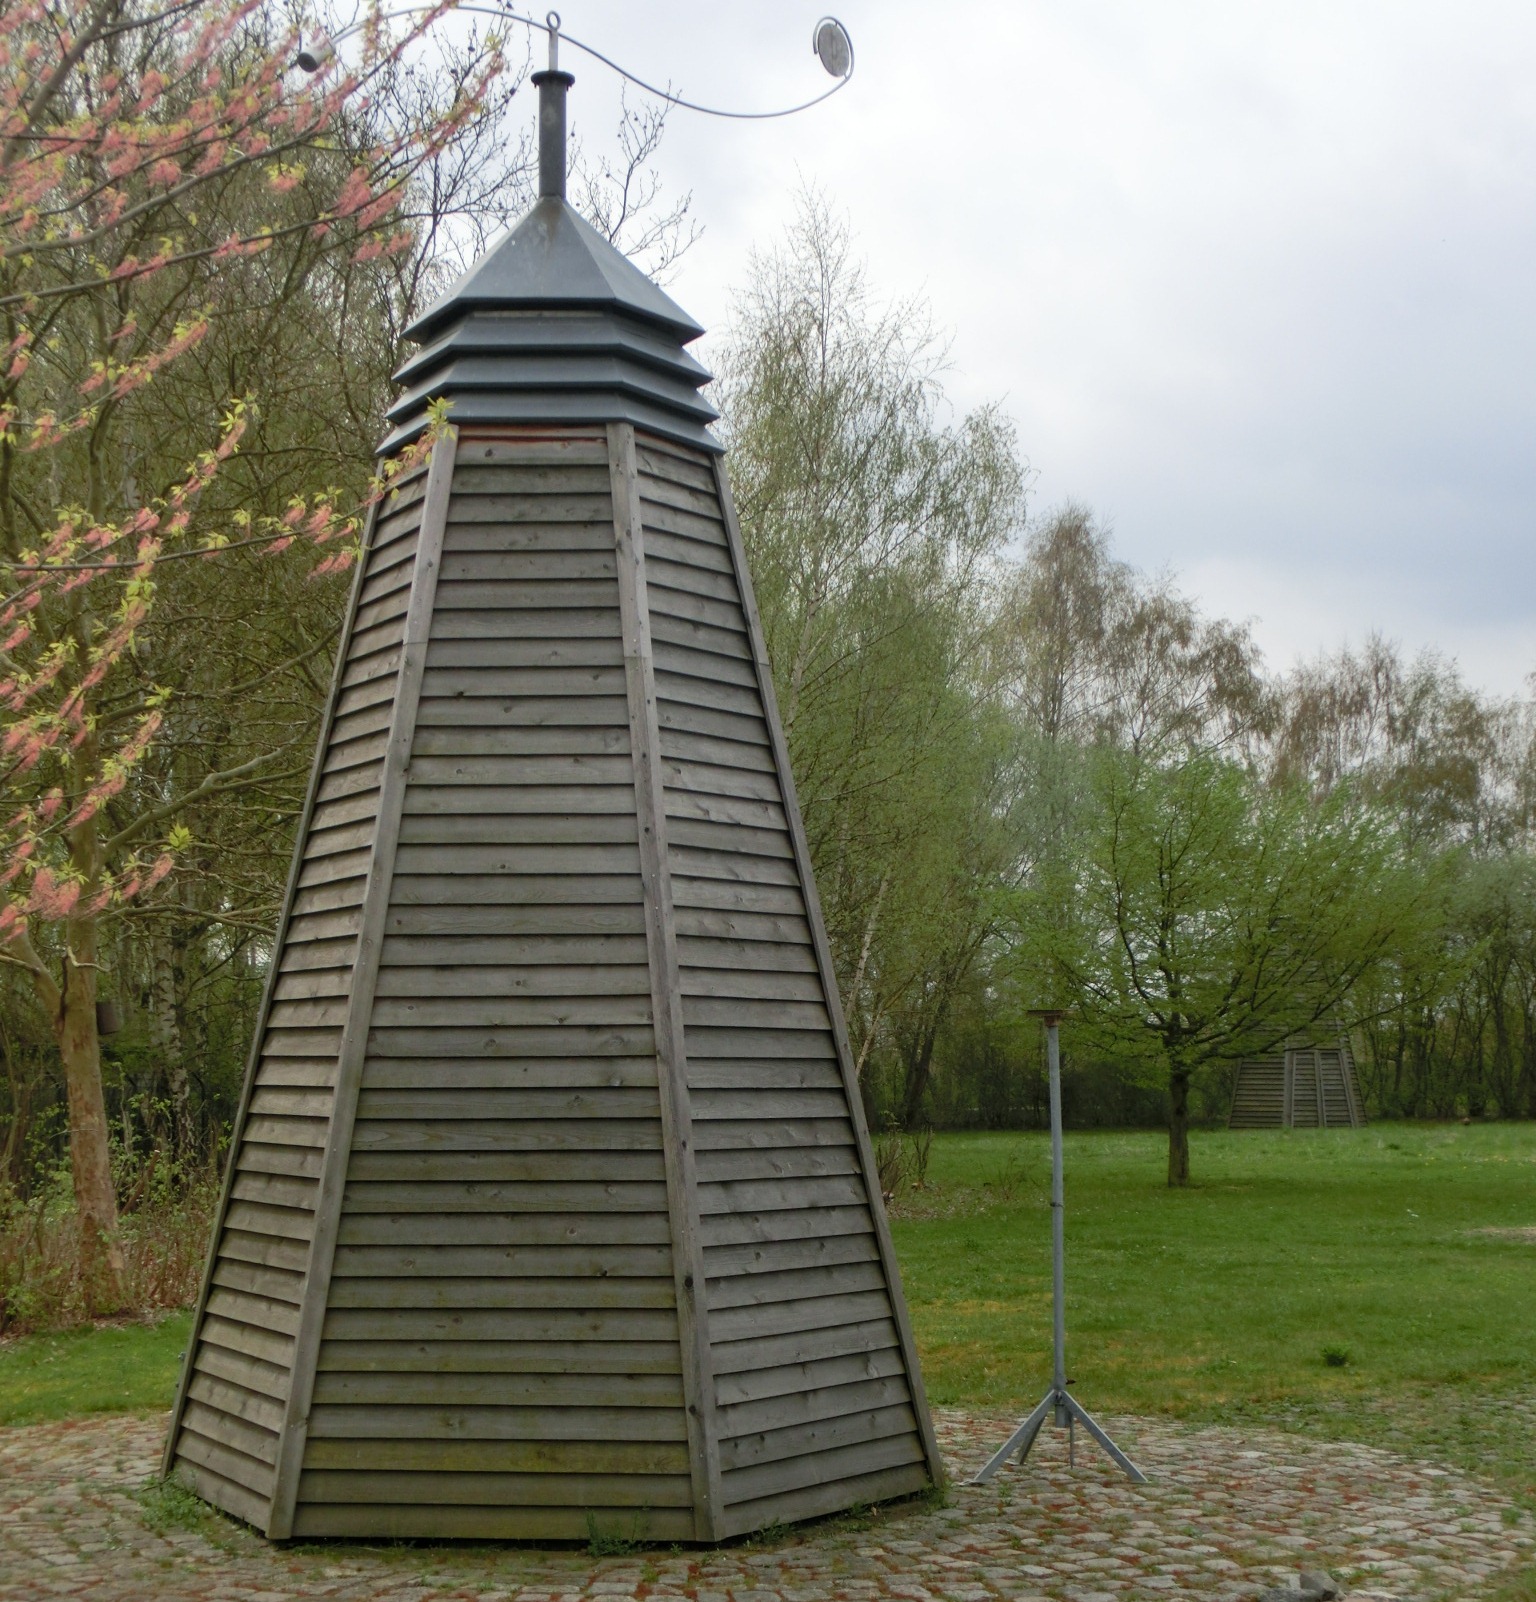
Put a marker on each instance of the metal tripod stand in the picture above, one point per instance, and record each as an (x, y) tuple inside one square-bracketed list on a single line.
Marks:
[(1058, 1400)]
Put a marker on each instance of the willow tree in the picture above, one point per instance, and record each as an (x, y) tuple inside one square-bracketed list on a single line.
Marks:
[(874, 529)]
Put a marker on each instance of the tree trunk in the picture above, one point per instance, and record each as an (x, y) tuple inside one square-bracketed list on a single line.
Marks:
[(90, 1153), (165, 1036), (1178, 1129)]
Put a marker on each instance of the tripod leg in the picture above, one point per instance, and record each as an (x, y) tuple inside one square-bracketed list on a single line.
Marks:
[(1077, 1409), (1020, 1441)]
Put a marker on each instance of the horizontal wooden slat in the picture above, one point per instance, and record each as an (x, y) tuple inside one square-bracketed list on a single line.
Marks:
[(488, 1196), (266, 1379), (782, 1289), (226, 1397), (755, 1384), (812, 1501), (508, 1357), (496, 1492), (495, 1074), (256, 1443), (815, 1405), (737, 1228), (417, 1456), (500, 1226), (786, 1164), (224, 1493), (280, 1284), (228, 1463), (849, 1433), (520, 918), (824, 1312), (580, 1040), (576, 1389), (416, 1291), (501, 952), (499, 1324), (502, 1262), (269, 1345), (547, 1134), (771, 1257), (480, 1106), (378, 1421), (287, 1192), (315, 1520)]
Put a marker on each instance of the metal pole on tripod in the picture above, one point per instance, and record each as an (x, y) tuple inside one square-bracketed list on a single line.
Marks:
[(1058, 1401)]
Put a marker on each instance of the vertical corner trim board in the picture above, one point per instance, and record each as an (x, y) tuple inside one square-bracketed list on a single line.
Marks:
[(551, 1206)]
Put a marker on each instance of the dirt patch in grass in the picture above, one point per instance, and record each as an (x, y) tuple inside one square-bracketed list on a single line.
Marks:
[(1526, 1234)]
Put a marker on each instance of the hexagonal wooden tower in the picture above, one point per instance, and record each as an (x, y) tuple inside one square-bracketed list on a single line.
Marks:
[(550, 1207)]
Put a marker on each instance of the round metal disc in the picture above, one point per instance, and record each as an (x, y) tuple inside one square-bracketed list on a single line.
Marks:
[(833, 47)]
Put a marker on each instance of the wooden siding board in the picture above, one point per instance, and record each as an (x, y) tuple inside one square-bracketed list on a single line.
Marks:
[(688, 1281), (893, 1293), (370, 937), (206, 1321)]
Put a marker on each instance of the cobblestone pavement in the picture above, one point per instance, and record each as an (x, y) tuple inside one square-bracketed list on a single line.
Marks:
[(1227, 1514)]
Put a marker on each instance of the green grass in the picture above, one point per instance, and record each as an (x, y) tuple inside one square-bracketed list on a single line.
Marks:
[(1339, 1283), (116, 1368), (1332, 1281)]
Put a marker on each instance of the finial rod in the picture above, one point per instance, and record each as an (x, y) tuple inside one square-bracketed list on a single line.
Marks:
[(552, 86)]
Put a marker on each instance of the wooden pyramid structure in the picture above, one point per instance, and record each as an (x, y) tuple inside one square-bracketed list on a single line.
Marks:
[(1310, 1084), (550, 1208)]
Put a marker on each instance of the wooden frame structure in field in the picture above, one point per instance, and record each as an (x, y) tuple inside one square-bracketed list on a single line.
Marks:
[(551, 1207), (1307, 1084)]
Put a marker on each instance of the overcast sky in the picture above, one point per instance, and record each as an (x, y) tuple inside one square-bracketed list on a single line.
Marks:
[(1255, 280)]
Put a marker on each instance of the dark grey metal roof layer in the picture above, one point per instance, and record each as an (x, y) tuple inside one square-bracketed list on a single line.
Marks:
[(554, 325)]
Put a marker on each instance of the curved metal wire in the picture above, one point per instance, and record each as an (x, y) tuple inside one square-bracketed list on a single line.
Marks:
[(506, 13)]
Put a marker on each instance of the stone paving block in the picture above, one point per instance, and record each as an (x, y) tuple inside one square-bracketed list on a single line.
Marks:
[(1228, 1514)]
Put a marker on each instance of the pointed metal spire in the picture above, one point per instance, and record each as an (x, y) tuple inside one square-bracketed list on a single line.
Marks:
[(552, 85)]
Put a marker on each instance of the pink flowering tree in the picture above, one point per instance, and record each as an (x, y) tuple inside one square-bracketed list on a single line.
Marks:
[(159, 163)]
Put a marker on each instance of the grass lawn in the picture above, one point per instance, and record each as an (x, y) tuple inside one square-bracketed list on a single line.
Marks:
[(1213, 1303), (1382, 1245), (115, 1368)]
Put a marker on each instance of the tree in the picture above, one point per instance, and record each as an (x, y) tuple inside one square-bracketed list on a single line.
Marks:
[(874, 533), (1205, 918), (163, 175)]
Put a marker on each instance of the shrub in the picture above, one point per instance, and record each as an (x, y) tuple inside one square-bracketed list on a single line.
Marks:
[(164, 1239)]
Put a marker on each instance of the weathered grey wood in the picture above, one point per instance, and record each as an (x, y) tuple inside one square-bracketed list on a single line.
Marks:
[(685, 745), (783, 1256), (502, 1262), (239, 1308), (281, 1284), (380, 1422), (687, 549), (812, 1501), (625, 1101), (744, 1227), (718, 641), (497, 1490), (253, 1061), (235, 1400), (809, 1404), (226, 1461), (688, 1280), (414, 1456), (370, 940), (214, 1425), (221, 1492), (266, 1344), (511, 744), (266, 1379), (931, 1454), (492, 1523), (738, 1161), (578, 1389), (530, 1074), (534, 800), (510, 952), (509, 1228), (475, 1196), (760, 1384), (813, 1312), (516, 1357), (775, 1134), (581, 1134), (539, 918), (249, 1248), (763, 1073), (778, 1288), (656, 462), (855, 1435), (501, 1324), (567, 626), (409, 1292)]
